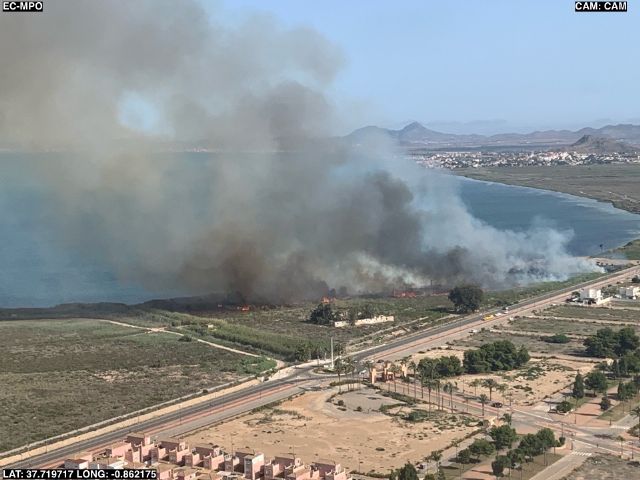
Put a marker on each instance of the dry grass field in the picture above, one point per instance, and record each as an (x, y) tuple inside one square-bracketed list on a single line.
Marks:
[(605, 467), (58, 375)]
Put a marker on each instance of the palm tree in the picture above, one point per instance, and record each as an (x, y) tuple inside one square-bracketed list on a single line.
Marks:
[(338, 367), (414, 367), (437, 384), (475, 384), (507, 418), (368, 364), (636, 413), (430, 384), (483, 400), (395, 369), (490, 383), (502, 387), (436, 456), (448, 388)]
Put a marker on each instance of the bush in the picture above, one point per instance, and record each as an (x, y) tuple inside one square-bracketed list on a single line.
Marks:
[(495, 356), (557, 338), (563, 407), (466, 298), (605, 404)]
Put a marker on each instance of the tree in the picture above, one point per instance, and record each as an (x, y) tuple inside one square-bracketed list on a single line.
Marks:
[(601, 344), (466, 298), (464, 456), (481, 447), (605, 403), (396, 370), (627, 341), (483, 400), (503, 436), (414, 368), (499, 464), (636, 413), (578, 386), (302, 352), (323, 314), (490, 384), (339, 367), (563, 407), (507, 418), (626, 390), (496, 356), (441, 475), (408, 472), (608, 343), (596, 381), (475, 384), (448, 388)]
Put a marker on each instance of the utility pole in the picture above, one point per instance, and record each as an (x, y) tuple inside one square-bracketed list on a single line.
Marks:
[(332, 366)]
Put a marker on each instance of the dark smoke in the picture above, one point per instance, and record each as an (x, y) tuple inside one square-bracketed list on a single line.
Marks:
[(273, 213)]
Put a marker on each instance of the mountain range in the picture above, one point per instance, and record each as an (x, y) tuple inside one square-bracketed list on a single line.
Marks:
[(417, 136)]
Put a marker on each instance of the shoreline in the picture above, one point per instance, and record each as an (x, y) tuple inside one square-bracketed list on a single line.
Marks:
[(487, 175), (468, 175)]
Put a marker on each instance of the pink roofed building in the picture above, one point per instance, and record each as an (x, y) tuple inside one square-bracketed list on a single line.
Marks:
[(139, 439), (165, 471), (192, 460), (253, 466), (76, 463), (213, 463), (177, 456), (118, 449), (157, 454), (134, 455)]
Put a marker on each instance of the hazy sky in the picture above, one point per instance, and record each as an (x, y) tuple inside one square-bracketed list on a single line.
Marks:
[(514, 65)]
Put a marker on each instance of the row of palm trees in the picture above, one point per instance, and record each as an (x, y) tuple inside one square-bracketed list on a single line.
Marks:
[(426, 377)]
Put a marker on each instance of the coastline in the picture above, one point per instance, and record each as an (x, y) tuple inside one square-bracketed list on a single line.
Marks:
[(505, 176), (543, 178)]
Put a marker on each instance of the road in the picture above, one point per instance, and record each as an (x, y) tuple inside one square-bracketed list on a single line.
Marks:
[(301, 378)]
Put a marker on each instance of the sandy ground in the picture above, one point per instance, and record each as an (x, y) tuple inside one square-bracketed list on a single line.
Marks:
[(315, 429), (605, 467), (539, 379)]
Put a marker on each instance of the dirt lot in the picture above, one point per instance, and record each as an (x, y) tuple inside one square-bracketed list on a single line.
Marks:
[(555, 325), (605, 467), (534, 345), (597, 313), (58, 375), (317, 428)]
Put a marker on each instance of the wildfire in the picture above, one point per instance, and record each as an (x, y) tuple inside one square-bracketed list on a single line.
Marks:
[(404, 294), (327, 299), (244, 308)]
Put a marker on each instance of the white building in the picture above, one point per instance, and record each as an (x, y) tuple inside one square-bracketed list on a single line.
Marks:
[(365, 321), (591, 296), (629, 292)]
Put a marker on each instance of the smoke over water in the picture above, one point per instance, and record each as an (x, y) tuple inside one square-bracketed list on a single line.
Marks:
[(271, 213)]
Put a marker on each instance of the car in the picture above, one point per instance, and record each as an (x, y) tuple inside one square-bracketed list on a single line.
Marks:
[(497, 404), (473, 331)]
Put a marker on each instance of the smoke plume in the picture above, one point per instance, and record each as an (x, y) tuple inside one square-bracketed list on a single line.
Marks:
[(272, 212)]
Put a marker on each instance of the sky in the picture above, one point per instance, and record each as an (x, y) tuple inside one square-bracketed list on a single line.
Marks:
[(471, 66)]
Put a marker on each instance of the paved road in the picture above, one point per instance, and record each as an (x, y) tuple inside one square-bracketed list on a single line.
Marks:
[(261, 394)]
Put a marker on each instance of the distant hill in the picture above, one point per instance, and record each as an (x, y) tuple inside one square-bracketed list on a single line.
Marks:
[(600, 145), (415, 136)]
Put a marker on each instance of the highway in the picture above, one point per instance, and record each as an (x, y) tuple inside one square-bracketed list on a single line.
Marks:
[(300, 378)]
